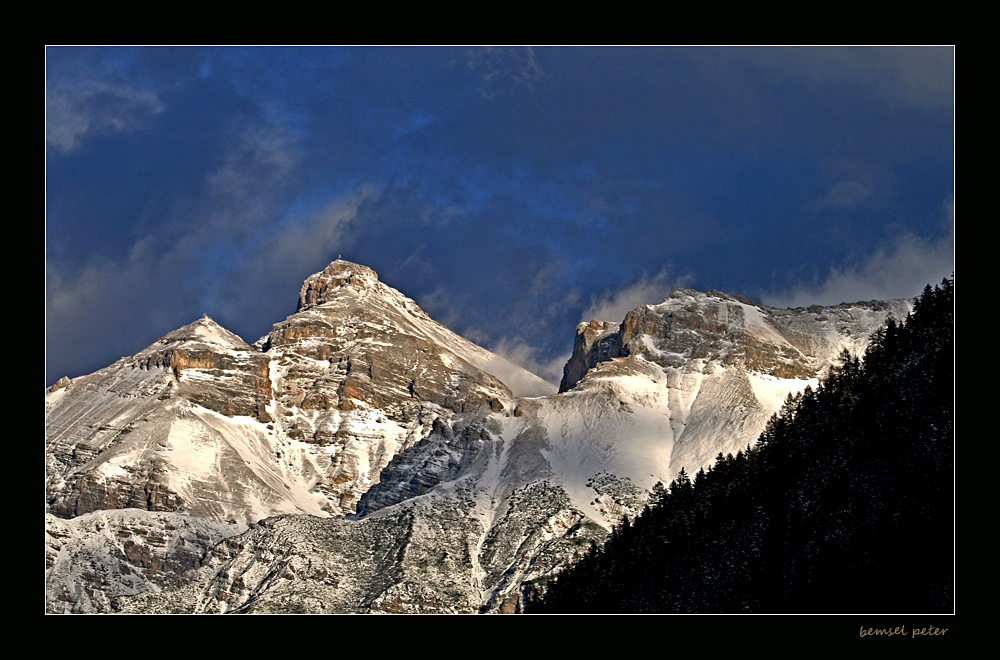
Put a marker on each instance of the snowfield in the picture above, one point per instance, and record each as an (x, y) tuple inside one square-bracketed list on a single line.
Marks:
[(413, 470)]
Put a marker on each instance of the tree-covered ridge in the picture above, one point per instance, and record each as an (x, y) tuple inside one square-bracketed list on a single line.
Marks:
[(844, 505)]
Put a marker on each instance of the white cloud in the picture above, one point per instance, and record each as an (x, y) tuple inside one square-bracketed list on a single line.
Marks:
[(307, 243), (522, 354), (614, 305), (845, 194), (78, 109), (900, 271)]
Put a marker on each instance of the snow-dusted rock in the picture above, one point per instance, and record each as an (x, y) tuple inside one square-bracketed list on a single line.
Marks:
[(702, 372), (92, 559), (380, 463)]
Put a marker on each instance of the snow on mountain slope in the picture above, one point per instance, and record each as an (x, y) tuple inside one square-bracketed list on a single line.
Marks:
[(92, 559), (325, 287), (178, 426), (202, 422), (461, 476), (362, 373), (696, 375), (302, 422)]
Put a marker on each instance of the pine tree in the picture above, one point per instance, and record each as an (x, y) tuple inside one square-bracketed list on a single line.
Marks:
[(844, 504)]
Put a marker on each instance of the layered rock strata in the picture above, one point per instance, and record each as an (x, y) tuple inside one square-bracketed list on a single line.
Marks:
[(436, 476), (733, 331)]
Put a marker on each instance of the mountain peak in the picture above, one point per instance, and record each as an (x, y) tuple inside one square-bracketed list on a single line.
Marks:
[(683, 294), (202, 331), (689, 326), (317, 287)]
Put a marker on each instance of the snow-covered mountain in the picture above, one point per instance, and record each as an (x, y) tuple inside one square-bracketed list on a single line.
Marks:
[(703, 372), (301, 422), (411, 470)]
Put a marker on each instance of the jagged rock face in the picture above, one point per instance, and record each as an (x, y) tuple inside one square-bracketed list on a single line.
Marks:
[(180, 426), (447, 454), (303, 421), (453, 550), (697, 375), (213, 368), (361, 373), (94, 558), (692, 327), (438, 477), (326, 285), (596, 342), (712, 326)]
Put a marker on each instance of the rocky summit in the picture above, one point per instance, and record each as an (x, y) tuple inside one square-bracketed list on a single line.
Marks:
[(361, 457)]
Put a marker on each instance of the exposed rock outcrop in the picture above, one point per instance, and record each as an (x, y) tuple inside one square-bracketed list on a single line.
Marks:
[(95, 558), (436, 476), (711, 326), (329, 396), (596, 342)]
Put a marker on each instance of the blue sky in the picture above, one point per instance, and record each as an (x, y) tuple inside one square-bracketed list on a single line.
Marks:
[(512, 192)]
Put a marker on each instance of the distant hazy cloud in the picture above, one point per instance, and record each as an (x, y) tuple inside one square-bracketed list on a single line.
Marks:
[(311, 242), (614, 305), (845, 194), (414, 122), (247, 188), (262, 150), (267, 281), (112, 308), (900, 271), (525, 318), (501, 66), (233, 253), (519, 352), (906, 76), (439, 306), (79, 108)]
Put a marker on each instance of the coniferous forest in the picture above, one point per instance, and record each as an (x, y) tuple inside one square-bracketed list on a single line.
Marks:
[(844, 505)]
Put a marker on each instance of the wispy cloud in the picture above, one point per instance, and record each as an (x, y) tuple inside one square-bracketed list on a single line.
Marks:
[(264, 287), (253, 179), (844, 195), (232, 251), (518, 351), (259, 151), (647, 290), (919, 76), (77, 109), (502, 67), (311, 242), (440, 305), (900, 270), (145, 295), (112, 305)]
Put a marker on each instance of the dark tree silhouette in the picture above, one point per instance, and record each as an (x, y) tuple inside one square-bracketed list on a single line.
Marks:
[(844, 505)]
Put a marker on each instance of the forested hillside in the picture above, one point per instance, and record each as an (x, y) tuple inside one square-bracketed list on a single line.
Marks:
[(844, 505)]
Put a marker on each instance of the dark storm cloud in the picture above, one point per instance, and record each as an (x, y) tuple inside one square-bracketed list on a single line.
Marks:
[(509, 190)]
